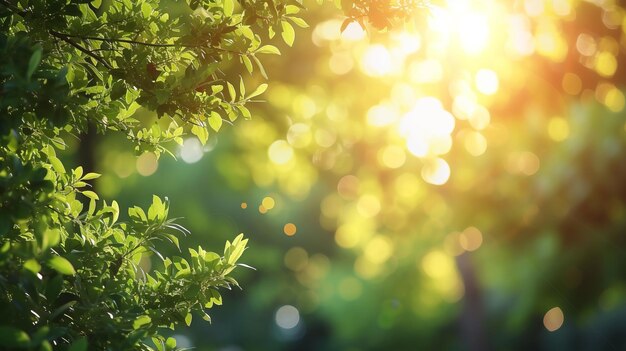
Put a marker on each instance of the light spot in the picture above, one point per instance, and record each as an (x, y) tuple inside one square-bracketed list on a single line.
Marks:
[(473, 33), (436, 171), (268, 203), (571, 83), (487, 81), (606, 64), (296, 259), (558, 128), (614, 100), (553, 319), (191, 150), (348, 187), (379, 249), (471, 239), (426, 71), (290, 229), (480, 118), (353, 32), (381, 115), (147, 164), (586, 44), (262, 209), (392, 156), (408, 43), (244, 205), (340, 63), (368, 205), (437, 264), (287, 317), (376, 61), (325, 138), (280, 152), (526, 163), (299, 135), (475, 143)]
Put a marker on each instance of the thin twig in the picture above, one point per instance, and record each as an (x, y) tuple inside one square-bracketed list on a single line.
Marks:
[(13, 8), (66, 39), (136, 42)]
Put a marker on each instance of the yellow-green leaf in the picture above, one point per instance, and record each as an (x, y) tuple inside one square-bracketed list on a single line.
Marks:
[(268, 49), (201, 132), (229, 6), (258, 91), (215, 121), (61, 265), (90, 194), (288, 34), (140, 321)]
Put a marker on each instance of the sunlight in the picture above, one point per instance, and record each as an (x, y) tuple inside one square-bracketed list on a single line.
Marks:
[(427, 127), (473, 31), (376, 61), (353, 32), (436, 172)]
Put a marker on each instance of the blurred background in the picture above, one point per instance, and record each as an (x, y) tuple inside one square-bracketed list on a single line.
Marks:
[(457, 182)]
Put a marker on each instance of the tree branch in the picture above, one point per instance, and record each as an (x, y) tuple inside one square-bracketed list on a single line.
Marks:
[(66, 39), (136, 42), (13, 8)]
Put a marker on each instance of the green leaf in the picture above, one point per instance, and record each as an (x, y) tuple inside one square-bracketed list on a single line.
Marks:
[(206, 317), (61, 265), (32, 265), (77, 172), (33, 63), (141, 321), (56, 164), (268, 49), (299, 22), (242, 87), (288, 34), (13, 337), (258, 91), (79, 345), (201, 132), (246, 62), (231, 91), (188, 319), (260, 65), (170, 343), (229, 6), (90, 194), (90, 176), (146, 10), (215, 121), (291, 9), (115, 210)]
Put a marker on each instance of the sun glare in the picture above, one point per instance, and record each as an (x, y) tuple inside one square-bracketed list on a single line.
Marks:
[(376, 60)]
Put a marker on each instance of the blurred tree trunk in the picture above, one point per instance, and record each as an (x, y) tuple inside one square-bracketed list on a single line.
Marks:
[(473, 329)]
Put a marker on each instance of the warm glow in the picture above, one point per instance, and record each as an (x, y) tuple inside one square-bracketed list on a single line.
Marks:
[(290, 229), (376, 61), (473, 32), (280, 152), (553, 319), (427, 127)]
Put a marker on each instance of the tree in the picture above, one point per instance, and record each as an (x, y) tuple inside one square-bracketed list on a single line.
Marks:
[(70, 272)]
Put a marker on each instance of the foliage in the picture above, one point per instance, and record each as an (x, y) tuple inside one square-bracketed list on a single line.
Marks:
[(70, 272)]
